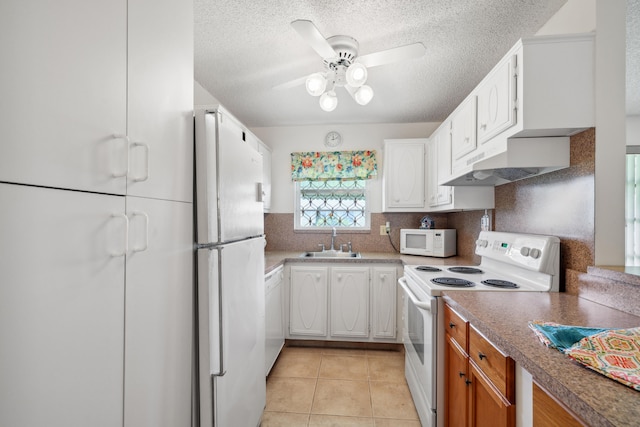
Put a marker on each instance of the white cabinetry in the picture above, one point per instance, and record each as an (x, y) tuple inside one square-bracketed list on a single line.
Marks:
[(274, 316), (349, 302), (308, 301), (362, 302), (101, 311), (384, 287), (403, 179), (496, 100), (62, 318), (265, 151), (463, 130)]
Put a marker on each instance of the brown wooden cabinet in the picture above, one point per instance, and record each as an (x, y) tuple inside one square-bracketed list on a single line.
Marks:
[(548, 412), (479, 378)]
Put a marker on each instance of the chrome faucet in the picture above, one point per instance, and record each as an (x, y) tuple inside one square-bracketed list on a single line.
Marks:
[(334, 233)]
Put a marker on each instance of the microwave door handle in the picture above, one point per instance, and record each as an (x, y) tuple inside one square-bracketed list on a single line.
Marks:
[(427, 306)]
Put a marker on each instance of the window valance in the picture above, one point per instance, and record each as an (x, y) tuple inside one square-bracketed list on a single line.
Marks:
[(333, 165)]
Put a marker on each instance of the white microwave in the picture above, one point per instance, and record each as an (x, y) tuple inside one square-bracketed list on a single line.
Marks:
[(428, 242)]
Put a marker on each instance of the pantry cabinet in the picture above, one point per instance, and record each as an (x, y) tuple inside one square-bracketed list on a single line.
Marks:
[(343, 302), (109, 118), (403, 178), (479, 378)]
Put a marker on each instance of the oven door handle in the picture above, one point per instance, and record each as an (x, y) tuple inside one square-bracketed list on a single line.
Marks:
[(431, 305)]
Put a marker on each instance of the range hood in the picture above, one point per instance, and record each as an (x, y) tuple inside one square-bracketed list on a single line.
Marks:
[(523, 158)]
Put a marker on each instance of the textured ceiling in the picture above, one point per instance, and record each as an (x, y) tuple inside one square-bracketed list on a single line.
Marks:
[(243, 48)]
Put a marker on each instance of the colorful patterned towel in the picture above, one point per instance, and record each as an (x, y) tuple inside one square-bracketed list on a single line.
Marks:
[(614, 353)]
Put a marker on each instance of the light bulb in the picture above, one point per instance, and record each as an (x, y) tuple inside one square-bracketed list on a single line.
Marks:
[(363, 95), (316, 84), (356, 74), (329, 101)]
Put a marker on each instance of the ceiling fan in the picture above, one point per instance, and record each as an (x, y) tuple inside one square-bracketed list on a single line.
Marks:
[(342, 65)]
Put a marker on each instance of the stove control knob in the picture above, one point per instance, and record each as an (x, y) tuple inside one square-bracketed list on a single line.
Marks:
[(524, 251), (535, 253), (482, 243)]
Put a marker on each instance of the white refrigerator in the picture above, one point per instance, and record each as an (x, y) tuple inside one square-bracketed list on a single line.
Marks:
[(230, 256)]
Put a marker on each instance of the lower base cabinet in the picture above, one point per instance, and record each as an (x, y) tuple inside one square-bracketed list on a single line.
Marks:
[(479, 378), (548, 412), (343, 302)]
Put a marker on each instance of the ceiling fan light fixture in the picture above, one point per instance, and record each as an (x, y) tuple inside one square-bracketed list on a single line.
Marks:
[(356, 74), (363, 95), (329, 101), (316, 83)]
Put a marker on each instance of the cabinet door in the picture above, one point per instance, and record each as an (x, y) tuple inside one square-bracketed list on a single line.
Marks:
[(274, 317), (383, 311), (456, 387), (548, 412), (266, 176), (487, 407), (404, 174), (308, 301), (160, 99), (350, 302), (432, 171), (496, 101), (159, 313), (463, 129), (61, 307), (63, 83)]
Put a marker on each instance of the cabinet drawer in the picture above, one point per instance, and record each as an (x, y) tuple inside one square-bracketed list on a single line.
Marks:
[(456, 326), (498, 367)]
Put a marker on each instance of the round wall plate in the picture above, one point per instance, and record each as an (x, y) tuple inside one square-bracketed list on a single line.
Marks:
[(333, 139)]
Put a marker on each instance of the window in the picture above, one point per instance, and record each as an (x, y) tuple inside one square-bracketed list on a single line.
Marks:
[(327, 204), (632, 211)]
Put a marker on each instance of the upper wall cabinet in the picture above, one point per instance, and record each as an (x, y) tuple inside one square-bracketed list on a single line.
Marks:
[(109, 105), (403, 178), (266, 176), (543, 87)]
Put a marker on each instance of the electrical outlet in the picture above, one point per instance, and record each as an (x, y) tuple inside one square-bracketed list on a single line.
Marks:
[(388, 227), (383, 230)]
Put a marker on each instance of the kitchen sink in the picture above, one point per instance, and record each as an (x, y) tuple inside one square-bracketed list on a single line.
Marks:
[(331, 254)]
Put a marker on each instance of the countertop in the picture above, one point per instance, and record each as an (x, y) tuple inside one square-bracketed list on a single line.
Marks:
[(273, 259), (503, 318)]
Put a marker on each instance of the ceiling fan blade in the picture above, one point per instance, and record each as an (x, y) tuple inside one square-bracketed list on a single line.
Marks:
[(292, 83), (395, 54), (310, 33)]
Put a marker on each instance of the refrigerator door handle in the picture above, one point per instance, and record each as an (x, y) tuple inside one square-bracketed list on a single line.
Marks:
[(221, 371)]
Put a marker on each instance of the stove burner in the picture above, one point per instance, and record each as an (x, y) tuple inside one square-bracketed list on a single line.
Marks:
[(453, 281), (427, 268), (499, 283), (465, 270)]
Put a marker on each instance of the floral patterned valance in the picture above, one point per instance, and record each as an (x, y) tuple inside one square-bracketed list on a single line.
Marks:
[(333, 165)]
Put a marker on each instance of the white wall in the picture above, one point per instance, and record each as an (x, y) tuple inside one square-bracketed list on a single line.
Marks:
[(608, 19), (633, 130), (285, 140), (201, 97)]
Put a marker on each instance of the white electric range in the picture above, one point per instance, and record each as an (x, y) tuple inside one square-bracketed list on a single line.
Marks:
[(510, 262)]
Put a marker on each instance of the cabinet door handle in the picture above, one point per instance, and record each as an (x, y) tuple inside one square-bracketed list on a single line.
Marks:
[(467, 382), (146, 163), (124, 251), (461, 374), (481, 356), (146, 232), (125, 170), (452, 325)]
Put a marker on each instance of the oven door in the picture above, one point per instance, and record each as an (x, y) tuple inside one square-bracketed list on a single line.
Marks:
[(419, 338)]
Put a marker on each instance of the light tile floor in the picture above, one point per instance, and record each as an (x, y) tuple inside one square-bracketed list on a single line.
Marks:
[(338, 387)]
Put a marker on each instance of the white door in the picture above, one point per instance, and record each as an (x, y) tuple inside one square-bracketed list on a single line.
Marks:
[(63, 83), (463, 129), (350, 302), (496, 101), (61, 307), (159, 314), (383, 302), (160, 99), (308, 301)]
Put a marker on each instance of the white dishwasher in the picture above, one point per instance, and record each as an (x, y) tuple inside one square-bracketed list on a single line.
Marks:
[(274, 323)]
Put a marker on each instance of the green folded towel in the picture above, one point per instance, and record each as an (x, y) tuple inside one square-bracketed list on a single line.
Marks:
[(562, 337)]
